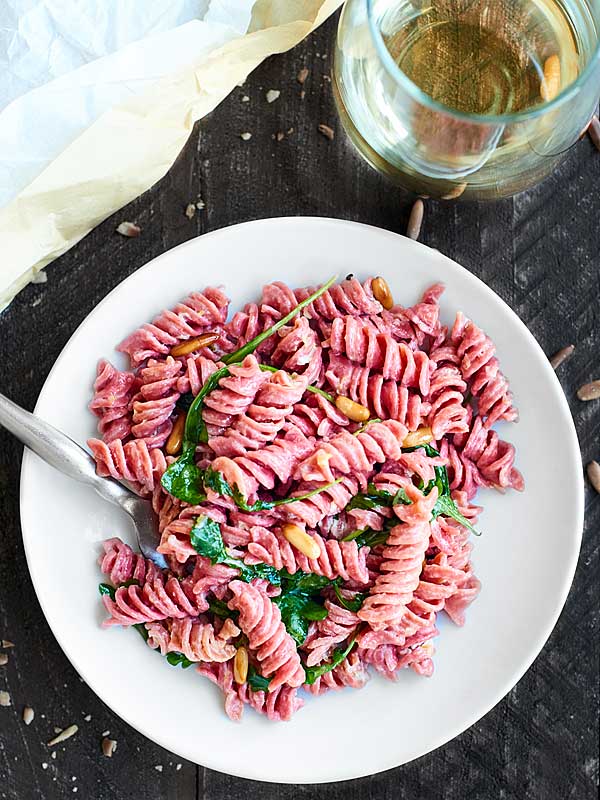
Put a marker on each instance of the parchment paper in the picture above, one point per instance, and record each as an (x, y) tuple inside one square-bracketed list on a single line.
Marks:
[(90, 123)]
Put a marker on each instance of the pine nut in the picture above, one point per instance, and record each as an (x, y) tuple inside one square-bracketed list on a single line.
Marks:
[(240, 665), (175, 440), (589, 391), (302, 541), (420, 436), (456, 192), (183, 348), (382, 293), (352, 410), (594, 131), (593, 473), (551, 83), (415, 220), (28, 715), (562, 355)]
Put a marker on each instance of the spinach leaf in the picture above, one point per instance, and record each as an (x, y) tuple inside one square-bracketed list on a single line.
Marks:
[(183, 479), (107, 589), (312, 673), (374, 498), (297, 611), (307, 582), (445, 505), (206, 539), (365, 425), (351, 605), (251, 346), (215, 480), (220, 609), (185, 401), (256, 681), (176, 659), (429, 450), (300, 602), (195, 429)]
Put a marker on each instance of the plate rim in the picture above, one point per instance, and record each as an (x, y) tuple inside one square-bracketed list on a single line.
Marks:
[(578, 513)]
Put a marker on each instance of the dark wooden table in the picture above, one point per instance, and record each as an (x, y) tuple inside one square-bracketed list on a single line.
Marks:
[(539, 251)]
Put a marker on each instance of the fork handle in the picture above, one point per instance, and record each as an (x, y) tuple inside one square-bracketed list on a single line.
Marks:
[(58, 450)]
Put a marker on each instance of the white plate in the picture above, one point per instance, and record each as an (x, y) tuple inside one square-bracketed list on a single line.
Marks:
[(525, 558)]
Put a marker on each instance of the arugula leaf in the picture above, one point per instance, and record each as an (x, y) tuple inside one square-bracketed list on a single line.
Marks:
[(256, 681), (367, 537), (251, 346), (444, 504), (216, 481), (313, 389), (107, 589), (375, 498), (351, 605), (183, 479), (338, 655), (176, 659)]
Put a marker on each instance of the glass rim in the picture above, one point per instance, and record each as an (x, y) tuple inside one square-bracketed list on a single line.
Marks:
[(485, 119)]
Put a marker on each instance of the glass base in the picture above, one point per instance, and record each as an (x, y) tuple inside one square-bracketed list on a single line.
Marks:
[(477, 186)]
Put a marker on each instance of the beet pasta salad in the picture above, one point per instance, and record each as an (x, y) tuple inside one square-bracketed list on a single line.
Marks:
[(313, 462)]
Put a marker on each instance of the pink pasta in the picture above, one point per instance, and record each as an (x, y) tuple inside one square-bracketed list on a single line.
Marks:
[(273, 647), (197, 640), (155, 403), (402, 562), (112, 401), (133, 461), (196, 314), (336, 560), (323, 547), (387, 399), (278, 705), (263, 419), (361, 343)]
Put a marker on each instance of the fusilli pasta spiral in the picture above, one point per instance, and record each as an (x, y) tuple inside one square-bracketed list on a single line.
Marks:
[(260, 620), (113, 395), (198, 641), (199, 312)]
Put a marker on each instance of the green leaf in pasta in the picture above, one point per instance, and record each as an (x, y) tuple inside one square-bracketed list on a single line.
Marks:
[(251, 346), (312, 673)]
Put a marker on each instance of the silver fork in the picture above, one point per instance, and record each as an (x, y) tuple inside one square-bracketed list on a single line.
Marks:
[(65, 455)]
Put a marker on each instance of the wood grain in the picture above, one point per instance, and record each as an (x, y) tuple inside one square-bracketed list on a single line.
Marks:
[(539, 251)]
